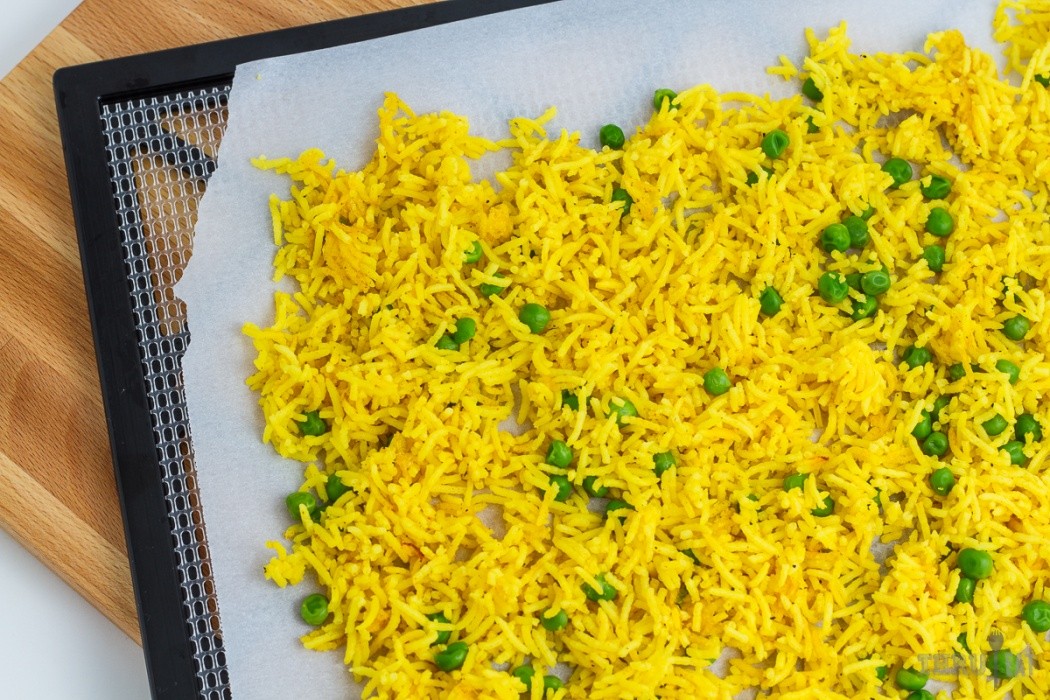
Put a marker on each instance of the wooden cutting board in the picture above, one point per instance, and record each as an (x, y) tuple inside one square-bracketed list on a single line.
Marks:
[(57, 490)]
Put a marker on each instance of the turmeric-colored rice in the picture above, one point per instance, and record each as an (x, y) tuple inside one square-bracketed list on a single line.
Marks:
[(448, 513)]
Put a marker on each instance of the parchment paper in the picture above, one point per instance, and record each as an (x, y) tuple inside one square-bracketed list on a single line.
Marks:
[(598, 61)]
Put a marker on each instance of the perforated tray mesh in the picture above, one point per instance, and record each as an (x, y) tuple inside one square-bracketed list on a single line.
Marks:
[(161, 152)]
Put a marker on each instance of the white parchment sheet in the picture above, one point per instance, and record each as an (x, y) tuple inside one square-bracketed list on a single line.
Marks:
[(597, 61)]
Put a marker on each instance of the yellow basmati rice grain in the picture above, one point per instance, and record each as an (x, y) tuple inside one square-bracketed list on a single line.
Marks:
[(448, 513)]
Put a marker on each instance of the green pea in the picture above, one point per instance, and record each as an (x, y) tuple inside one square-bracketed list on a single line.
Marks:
[(559, 454), (752, 177), (487, 289), (1016, 328), (313, 424), (604, 591), (451, 657), (524, 674), (878, 498), (535, 317), (301, 498), (314, 609), (924, 427), (442, 635), (1009, 369), (1015, 449), (662, 461), (570, 399), (858, 231), (875, 282), (590, 485), (882, 672), (939, 405), (563, 487), (770, 301), (910, 679), (934, 257), (622, 409), (554, 622), (1003, 663), (665, 96), (964, 591), (692, 555), (621, 195), (853, 280), (956, 371), (994, 425), (810, 90), (775, 143), (832, 288), (938, 188), (795, 481), (935, 444), (865, 307), (1043, 79), (868, 212), (551, 684), (612, 136), (716, 381), (835, 237), (942, 481), (1037, 615), (615, 505), (1026, 425), (824, 509), (811, 126), (445, 342), (334, 488), (920, 695), (961, 640), (940, 222), (465, 329), (898, 169), (916, 357), (975, 563), (473, 254)]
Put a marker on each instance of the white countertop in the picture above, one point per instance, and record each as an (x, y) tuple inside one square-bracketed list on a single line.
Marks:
[(53, 644)]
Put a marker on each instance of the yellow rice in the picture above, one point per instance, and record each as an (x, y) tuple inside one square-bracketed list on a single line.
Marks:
[(642, 306)]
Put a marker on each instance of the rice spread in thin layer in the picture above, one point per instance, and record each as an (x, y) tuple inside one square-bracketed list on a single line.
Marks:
[(709, 553)]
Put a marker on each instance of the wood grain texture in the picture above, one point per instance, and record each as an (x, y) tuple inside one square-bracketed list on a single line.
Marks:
[(57, 490)]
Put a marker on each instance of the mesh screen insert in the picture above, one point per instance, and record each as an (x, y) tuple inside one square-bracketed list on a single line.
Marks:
[(161, 151)]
